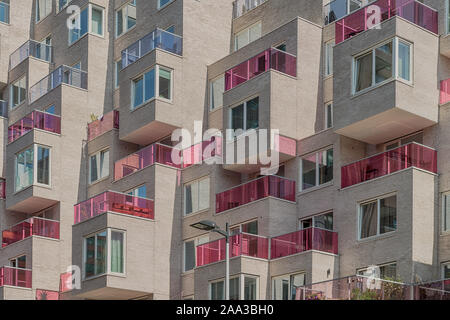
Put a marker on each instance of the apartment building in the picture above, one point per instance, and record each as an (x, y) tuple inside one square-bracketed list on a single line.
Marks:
[(351, 99)]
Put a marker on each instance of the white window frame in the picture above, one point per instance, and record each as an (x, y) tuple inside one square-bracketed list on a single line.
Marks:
[(361, 271), (443, 265), (98, 154), (197, 242), (395, 76), (328, 51), (37, 8), (60, 8), (164, 5), (399, 140), (108, 254), (244, 223), (211, 96), (247, 29), (329, 104), (117, 73), (317, 169), (134, 190), (156, 68), (89, 7), (35, 169), (11, 106), (244, 129), (116, 21), (443, 229), (197, 182), (378, 200), (241, 278), (312, 218), (289, 275)]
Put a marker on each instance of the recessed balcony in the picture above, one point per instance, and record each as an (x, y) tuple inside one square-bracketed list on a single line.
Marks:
[(241, 7), (31, 227), (268, 186), (382, 164), (114, 202), (445, 91), (63, 74), (270, 59), (15, 277), (338, 9), (158, 38), (105, 124), (302, 241), (413, 11), (31, 48), (242, 244), (35, 120), (148, 156)]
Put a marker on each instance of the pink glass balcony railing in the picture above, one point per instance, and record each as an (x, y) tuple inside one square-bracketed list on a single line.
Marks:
[(445, 91), (304, 240), (106, 123), (200, 152), (242, 244), (34, 120), (15, 277), (269, 59), (2, 188), (268, 186), (110, 201), (31, 227), (155, 153), (410, 10), (410, 155), (436, 290)]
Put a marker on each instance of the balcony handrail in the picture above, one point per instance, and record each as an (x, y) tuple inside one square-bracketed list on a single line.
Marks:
[(29, 219), (15, 268), (144, 148), (27, 43), (116, 192), (382, 152), (263, 177), (237, 234), (319, 228)]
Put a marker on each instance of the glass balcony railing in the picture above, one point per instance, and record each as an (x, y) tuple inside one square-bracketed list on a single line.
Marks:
[(445, 91), (304, 240), (200, 152), (4, 11), (411, 10), (34, 120), (62, 74), (106, 123), (269, 59), (2, 188), (338, 9), (155, 153), (241, 7), (382, 164), (31, 227), (110, 201), (156, 39), (436, 290), (268, 186), (3, 109), (15, 277), (30, 48), (242, 244)]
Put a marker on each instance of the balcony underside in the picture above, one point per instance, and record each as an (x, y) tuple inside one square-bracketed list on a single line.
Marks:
[(149, 133), (385, 126), (31, 204), (16, 293), (445, 45), (108, 293)]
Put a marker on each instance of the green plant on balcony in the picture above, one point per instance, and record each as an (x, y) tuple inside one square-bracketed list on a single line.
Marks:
[(357, 294), (314, 296), (392, 290)]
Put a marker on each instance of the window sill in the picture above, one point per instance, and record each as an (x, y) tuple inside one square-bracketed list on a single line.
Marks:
[(117, 37), (383, 236), (164, 6), (319, 187), (193, 214), (150, 101), (378, 85), (98, 181)]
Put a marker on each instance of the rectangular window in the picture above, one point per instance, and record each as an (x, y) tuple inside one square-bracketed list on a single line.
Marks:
[(125, 18), (62, 4), (18, 92), (378, 217), (446, 270), (446, 212), (245, 116), (24, 168), (386, 271), (43, 9), (139, 192), (104, 253), (163, 3), (328, 115), (97, 21), (196, 196), (43, 165), (217, 88), (98, 166), (145, 86), (316, 169), (250, 288), (329, 58), (247, 35), (217, 290), (248, 227), (90, 20), (117, 68), (247, 287), (387, 61), (190, 254), (322, 221), (286, 287), (448, 16), (19, 262)]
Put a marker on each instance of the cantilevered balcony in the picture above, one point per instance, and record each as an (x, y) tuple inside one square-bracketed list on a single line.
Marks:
[(35, 120), (269, 59), (158, 38), (155, 153), (15, 277), (241, 7), (268, 186), (413, 11), (338, 9), (302, 241), (105, 124), (445, 91), (111, 201), (242, 244), (31, 227), (382, 164), (31, 48), (63, 74)]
